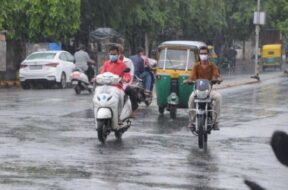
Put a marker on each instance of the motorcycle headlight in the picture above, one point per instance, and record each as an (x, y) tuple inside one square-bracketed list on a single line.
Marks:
[(202, 94)]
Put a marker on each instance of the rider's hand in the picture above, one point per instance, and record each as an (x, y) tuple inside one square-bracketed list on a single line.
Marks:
[(219, 80), (186, 81)]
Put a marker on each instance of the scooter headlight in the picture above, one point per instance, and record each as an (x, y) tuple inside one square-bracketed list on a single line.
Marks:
[(202, 94), (104, 97)]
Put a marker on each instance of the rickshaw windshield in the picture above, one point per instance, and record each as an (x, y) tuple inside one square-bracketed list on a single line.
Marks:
[(182, 59)]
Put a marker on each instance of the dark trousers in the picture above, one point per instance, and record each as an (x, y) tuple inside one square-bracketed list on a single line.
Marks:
[(90, 73), (132, 93)]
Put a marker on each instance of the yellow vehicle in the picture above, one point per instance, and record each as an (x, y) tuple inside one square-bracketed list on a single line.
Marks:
[(175, 62), (271, 56)]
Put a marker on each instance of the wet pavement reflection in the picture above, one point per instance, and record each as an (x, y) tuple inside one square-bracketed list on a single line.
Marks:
[(48, 141)]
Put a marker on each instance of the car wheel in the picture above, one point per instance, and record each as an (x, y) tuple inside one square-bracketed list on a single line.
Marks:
[(63, 83), (25, 85)]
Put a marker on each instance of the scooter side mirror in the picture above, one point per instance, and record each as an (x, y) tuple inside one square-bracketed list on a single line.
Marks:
[(126, 70)]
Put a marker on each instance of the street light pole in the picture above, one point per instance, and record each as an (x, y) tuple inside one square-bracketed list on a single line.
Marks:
[(257, 30)]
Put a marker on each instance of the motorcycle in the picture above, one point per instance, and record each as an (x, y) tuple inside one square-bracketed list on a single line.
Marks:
[(204, 107), (80, 81), (142, 96), (112, 109)]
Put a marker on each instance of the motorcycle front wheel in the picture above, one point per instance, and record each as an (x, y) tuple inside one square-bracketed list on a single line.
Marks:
[(201, 135)]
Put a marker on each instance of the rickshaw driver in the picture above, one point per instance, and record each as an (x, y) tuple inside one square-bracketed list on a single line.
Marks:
[(204, 70)]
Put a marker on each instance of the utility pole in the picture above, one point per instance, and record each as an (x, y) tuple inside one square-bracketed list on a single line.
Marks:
[(257, 30)]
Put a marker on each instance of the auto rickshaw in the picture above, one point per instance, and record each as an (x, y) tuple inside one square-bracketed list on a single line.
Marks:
[(271, 56), (175, 60)]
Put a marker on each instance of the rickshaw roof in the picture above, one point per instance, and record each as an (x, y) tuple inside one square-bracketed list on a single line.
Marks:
[(179, 43), (271, 46)]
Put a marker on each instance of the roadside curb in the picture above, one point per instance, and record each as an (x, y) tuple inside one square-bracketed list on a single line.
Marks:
[(228, 84), (10, 84)]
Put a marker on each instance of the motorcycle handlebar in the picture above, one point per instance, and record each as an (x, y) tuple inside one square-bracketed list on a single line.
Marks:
[(190, 82)]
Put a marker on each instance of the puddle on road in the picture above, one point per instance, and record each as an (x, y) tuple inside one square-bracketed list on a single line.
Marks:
[(88, 113)]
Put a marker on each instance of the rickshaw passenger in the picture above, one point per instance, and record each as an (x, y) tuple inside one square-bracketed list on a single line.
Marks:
[(139, 66), (205, 70)]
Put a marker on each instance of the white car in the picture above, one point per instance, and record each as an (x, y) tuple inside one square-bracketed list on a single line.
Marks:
[(47, 67)]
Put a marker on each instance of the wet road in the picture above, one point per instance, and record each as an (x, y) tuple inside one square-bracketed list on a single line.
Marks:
[(48, 141)]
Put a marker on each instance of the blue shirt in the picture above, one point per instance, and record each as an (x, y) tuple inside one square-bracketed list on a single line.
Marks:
[(138, 63)]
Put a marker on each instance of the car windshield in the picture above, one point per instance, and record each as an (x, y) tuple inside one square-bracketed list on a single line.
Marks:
[(176, 59), (43, 55)]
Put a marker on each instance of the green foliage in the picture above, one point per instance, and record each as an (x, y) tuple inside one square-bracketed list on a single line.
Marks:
[(42, 20), (277, 15), (239, 18), (157, 20)]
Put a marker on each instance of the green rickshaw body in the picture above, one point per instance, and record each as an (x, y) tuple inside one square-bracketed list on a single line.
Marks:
[(163, 88), (175, 62)]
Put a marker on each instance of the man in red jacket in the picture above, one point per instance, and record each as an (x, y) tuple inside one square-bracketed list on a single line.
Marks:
[(116, 66)]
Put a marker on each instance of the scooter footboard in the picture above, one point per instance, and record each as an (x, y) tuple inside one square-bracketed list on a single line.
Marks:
[(127, 110), (103, 113)]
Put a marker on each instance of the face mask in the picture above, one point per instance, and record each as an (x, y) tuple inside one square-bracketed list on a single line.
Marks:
[(113, 58), (203, 57)]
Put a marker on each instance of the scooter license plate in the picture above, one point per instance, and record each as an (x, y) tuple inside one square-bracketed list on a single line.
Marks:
[(75, 82)]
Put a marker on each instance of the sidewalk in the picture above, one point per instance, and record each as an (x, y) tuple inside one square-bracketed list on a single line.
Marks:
[(9, 84), (244, 79), (229, 80)]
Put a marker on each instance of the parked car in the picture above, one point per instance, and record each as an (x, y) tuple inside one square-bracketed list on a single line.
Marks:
[(46, 68)]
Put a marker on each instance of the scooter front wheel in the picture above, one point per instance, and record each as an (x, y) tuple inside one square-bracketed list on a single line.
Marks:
[(101, 130)]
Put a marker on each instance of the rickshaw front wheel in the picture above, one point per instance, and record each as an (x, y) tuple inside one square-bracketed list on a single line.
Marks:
[(173, 111), (161, 109)]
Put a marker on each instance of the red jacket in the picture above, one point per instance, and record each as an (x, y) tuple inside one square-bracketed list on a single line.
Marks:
[(117, 69)]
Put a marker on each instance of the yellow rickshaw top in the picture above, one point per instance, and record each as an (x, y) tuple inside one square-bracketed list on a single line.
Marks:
[(271, 46), (182, 44)]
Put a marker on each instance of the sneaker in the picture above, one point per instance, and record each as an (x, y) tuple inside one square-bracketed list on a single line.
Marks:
[(216, 126)]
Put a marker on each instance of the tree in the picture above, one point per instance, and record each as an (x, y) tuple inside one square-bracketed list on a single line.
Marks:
[(239, 18), (277, 15), (202, 20), (42, 20)]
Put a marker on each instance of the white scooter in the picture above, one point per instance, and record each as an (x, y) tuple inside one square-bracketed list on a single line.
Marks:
[(111, 111), (80, 81)]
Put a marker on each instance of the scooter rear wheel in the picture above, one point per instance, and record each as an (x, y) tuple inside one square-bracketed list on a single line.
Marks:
[(148, 101), (118, 135), (77, 89)]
